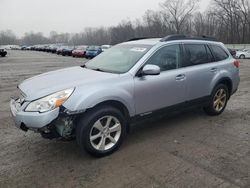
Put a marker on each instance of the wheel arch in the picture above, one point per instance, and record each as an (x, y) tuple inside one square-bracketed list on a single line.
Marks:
[(116, 104), (226, 81)]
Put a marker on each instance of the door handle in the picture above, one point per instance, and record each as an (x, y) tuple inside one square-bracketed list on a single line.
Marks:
[(180, 77), (213, 69)]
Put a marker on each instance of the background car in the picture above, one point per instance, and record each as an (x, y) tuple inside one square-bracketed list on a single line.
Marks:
[(93, 51), (28, 48), (67, 51), (105, 47), (79, 51), (15, 47), (54, 47), (243, 54), (3, 52), (24, 47), (41, 48), (59, 50)]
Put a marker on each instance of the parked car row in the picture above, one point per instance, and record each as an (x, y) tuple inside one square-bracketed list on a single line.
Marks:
[(66, 50)]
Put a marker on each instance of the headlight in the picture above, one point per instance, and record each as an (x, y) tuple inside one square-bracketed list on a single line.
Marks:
[(50, 102)]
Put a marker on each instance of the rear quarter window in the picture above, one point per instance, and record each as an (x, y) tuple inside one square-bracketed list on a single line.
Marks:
[(219, 53)]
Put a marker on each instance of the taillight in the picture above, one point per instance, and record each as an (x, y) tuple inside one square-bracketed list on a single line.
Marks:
[(237, 64)]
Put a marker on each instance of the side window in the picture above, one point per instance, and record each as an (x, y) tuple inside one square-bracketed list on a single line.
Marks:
[(196, 54), (219, 53), (167, 58)]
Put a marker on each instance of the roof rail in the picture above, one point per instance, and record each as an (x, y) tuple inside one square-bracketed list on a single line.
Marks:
[(138, 38), (186, 37)]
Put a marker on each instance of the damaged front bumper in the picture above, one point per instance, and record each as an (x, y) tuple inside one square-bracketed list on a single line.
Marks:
[(55, 123), (32, 120)]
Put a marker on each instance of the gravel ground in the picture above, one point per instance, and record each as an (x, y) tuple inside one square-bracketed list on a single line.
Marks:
[(189, 149)]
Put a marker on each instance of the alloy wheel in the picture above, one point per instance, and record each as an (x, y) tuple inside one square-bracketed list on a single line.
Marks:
[(105, 133), (220, 100)]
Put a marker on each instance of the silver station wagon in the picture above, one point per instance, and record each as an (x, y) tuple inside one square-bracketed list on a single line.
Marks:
[(97, 102)]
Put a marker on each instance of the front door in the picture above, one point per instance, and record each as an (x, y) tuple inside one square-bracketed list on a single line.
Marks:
[(164, 90)]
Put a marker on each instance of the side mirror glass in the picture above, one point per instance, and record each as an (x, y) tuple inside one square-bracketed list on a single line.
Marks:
[(151, 70)]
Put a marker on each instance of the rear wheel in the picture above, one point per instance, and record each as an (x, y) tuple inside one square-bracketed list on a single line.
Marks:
[(101, 131), (218, 100)]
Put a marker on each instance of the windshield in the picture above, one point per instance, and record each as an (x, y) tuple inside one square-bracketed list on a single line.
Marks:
[(118, 59)]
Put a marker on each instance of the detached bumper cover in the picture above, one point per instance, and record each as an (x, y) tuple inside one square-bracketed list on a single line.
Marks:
[(32, 120)]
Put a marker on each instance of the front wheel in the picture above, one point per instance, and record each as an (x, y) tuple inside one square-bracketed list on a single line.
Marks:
[(218, 100), (101, 131)]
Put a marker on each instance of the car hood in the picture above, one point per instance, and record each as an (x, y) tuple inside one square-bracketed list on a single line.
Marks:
[(51, 82)]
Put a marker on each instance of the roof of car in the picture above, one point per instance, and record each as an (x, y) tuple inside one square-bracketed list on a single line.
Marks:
[(154, 41), (151, 41)]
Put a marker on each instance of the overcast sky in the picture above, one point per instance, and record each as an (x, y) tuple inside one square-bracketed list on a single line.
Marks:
[(70, 15)]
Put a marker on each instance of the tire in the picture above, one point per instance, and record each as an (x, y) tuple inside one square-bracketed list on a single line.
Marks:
[(91, 124), (221, 95), (242, 57), (3, 55)]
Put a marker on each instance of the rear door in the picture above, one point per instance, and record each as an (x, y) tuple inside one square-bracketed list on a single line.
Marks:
[(199, 69)]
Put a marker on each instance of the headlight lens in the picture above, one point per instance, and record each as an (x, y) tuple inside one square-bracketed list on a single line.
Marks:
[(50, 102)]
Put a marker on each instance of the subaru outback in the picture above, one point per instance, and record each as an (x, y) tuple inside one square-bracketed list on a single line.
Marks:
[(97, 102)]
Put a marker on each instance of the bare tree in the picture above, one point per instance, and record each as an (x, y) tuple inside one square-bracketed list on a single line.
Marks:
[(32, 38), (179, 11), (7, 37)]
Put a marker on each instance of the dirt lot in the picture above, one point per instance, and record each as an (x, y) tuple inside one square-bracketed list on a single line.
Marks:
[(187, 150)]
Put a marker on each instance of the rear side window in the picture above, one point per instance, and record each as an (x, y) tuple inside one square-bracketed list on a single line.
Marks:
[(219, 53), (196, 54)]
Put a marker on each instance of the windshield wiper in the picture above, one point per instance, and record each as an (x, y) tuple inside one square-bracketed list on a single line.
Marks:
[(99, 70), (95, 69)]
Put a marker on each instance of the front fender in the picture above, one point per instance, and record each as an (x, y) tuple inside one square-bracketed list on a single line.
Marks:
[(80, 102)]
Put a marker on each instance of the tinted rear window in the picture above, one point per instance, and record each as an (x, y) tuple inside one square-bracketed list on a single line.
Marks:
[(196, 54), (219, 53)]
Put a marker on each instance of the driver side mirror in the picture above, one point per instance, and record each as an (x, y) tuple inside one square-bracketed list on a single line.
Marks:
[(151, 70)]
